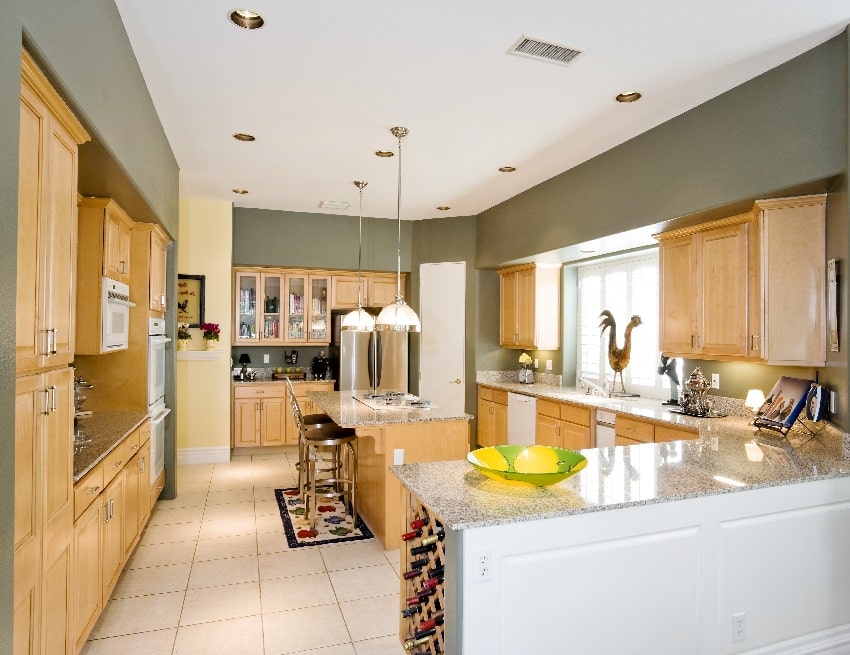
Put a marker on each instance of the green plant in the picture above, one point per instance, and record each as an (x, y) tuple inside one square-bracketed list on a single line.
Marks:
[(183, 331), (211, 331)]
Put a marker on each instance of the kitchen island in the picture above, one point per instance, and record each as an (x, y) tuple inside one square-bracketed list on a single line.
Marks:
[(733, 542), (395, 435)]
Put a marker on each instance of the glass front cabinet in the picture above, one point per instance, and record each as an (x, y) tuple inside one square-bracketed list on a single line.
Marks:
[(281, 308)]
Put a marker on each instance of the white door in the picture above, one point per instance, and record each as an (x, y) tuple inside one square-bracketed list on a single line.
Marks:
[(442, 309)]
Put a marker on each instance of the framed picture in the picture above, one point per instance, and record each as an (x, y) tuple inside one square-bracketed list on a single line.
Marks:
[(190, 299)]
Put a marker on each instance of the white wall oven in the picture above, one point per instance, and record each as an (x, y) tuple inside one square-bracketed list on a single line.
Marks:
[(157, 411), (115, 332)]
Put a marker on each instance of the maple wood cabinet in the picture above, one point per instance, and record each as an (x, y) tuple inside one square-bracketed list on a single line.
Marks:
[(47, 225), (492, 417), (563, 425), (377, 290), (629, 431), (150, 251), (112, 504), (747, 287), (307, 406), (104, 239), (530, 307)]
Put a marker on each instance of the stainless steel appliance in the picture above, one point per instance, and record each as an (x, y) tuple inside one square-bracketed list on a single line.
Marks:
[(116, 305), (375, 361), (157, 411)]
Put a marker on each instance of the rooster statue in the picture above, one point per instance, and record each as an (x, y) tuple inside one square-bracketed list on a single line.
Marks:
[(618, 357)]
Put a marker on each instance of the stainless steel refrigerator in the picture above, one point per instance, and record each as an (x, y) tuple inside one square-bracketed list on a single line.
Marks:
[(376, 361)]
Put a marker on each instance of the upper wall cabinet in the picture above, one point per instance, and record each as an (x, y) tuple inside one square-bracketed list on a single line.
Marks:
[(150, 250), (105, 238), (747, 287), (530, 307), (377, 290), (47, 225)]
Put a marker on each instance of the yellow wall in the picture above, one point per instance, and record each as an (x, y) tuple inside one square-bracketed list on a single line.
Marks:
[(203, 386)]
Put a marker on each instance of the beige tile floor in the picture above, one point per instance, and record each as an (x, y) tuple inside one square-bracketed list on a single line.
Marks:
[(213, 574)]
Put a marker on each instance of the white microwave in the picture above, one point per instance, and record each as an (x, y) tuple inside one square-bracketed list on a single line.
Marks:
[(116, 315)]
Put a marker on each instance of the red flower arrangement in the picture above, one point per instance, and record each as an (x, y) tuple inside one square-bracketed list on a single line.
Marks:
[(211, 331)]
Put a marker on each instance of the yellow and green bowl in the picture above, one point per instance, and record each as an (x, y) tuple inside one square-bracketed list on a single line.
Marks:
[(538, 465)]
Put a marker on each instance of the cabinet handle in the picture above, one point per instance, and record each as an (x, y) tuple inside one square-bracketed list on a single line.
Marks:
[(135, 446), (142, 463), (52, 397), (55, 334), (123, 267), (118, 464), (162, 300), (46, 402), (93, 490), (754, 342)]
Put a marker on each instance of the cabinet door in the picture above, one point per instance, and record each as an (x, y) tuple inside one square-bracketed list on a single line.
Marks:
[(29, 403), (130, 509), (575, 437), (273, 412), (157, 273), (246, 422), (344, 288), (112, 536), (382, 291), (297, 287), (508, 329), (273, 287), (245, 328), (548, 431), (486, 436), (87, 598), (677, 261), (116, 246), (319, 314), (500, 424), (47, 239), (144, 485), (525, 308), (664, 433), (723, 272)]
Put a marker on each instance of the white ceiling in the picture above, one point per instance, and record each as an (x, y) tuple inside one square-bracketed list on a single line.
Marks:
[(322, 82)]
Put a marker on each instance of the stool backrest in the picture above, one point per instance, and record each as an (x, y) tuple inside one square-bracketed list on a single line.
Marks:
[(296, 408)]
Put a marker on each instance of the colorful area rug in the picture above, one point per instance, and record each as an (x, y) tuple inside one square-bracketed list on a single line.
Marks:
[(333, 524)]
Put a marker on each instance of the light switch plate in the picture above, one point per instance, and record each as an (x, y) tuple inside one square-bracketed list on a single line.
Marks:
[(548, 364), (265, 358)]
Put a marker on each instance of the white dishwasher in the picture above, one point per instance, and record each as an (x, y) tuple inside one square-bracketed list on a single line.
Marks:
[(522, 419), (605, 435)]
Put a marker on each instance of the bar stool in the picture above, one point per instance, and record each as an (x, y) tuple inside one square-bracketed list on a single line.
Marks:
[(303, 422), (340, 469)]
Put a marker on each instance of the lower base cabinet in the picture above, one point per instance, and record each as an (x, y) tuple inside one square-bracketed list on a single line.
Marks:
[(492, 417), (629, 431), (108, 523), (563, 425)]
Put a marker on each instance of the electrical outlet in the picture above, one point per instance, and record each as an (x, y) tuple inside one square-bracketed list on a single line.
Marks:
[(483, 563), (265, 358), (398, 456), (831, 401), (548, 364), (535, 363), (715, 380), (739, 624)]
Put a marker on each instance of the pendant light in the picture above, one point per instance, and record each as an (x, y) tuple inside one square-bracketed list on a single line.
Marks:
[(398, 315), (359, 319)]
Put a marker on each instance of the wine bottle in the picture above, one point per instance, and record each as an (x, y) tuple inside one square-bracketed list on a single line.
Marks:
[(424, 633), (407, 536), (412, 573), (437, 572), (410, 644), (430, 547), (420, 522), (430, 583), (434, 621), (410, 611), (425, 593)]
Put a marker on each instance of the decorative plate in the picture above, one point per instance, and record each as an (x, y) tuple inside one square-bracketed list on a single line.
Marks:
[(538, 465)]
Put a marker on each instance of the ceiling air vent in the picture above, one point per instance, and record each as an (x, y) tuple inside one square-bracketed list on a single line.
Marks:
[(543, 51), (334, 204)]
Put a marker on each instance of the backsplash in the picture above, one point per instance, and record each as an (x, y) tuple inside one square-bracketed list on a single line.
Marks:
[(483, 377)]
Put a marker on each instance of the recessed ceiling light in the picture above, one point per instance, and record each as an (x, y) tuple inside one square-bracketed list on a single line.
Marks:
[(241, 136), (246, 18), (384, 153), (507, 169), (334, 204), (630, 96), (443, 208), (241, 192)]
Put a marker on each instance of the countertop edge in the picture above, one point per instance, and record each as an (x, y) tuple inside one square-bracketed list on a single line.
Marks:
[(111, 439)]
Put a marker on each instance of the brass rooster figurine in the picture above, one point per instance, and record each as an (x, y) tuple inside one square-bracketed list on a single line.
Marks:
[(618, 357)]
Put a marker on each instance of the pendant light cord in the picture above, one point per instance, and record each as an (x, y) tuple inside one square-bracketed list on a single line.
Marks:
[(398, 295)]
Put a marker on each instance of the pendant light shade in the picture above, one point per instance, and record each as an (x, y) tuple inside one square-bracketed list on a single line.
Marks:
[(398, 315), (359, 319)]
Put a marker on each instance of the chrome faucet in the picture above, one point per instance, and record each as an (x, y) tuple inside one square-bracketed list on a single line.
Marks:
[(591, 388)]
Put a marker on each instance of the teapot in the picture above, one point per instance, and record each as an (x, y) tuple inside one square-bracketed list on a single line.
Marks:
[(693, 399)]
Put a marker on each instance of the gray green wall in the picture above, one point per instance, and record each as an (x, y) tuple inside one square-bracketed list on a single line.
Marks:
[(83, 48), (265, 237)]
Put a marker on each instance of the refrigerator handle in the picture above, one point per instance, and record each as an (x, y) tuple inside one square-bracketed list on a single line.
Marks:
[(371, 361)]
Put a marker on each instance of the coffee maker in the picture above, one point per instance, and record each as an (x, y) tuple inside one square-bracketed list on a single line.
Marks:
[(319, 366)]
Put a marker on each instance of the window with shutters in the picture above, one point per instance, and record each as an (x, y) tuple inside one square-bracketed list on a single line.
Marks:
[(625, 287)]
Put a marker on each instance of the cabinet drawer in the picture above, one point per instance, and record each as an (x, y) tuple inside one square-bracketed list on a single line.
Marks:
[(625, 441), (664, 433), (632, 429), (87, 490), (575, 414), (500, 397), (113, 463), (485, 393), (548, 408), (144, 432), (260, 391)]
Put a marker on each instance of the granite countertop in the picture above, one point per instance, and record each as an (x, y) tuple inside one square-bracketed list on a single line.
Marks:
[(344, 410), (730, 455), (106, 430)]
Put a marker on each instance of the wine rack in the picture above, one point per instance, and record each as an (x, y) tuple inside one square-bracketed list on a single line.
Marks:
[(423, 602)]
